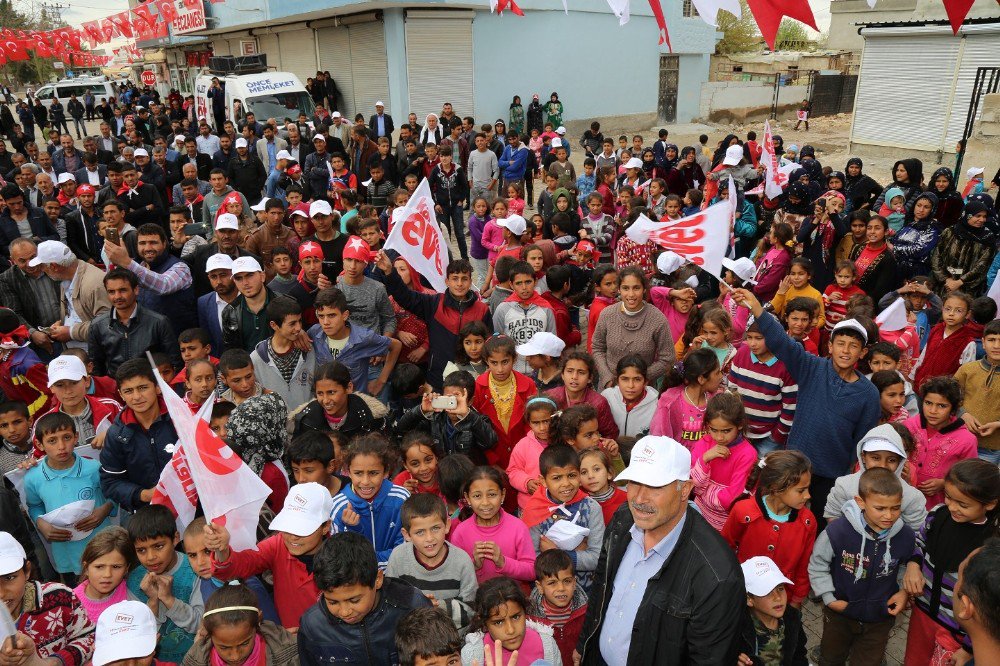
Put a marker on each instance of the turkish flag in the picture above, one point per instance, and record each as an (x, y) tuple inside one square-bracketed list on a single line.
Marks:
[(107, 29), (93, 31), (14, 50), (167, 9), (769, 13), (143, 21), (191, 4), (42, 50), (123, 23)]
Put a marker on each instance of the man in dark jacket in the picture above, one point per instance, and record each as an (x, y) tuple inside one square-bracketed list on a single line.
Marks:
[(380, 124), (445, 314), (19, 221), (246, 173), (668, 590), (128, 330), (338, 624), (142, 201)]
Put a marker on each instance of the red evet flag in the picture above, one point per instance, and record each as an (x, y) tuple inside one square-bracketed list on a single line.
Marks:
[(204, 469), (702, 238), (769, 13), (415, 234)]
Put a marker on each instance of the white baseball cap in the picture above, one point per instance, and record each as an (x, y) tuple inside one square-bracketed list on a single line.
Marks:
[(241, 143), (557, 142), (852, 324), (543, 342), (973, 172), (761, 576), (219, 261), (66, 178), (227, 221), (140, 152), (68, 367), (380, 103), (246, 265), (669, 261), (307, 507), (883, 438), (259, 206), (657, 462), (50, 252), (299, 212), (283, 155), (515, 224), (319, 137), (560, 130), (743, 268), (633, 163), (336, 114), (733, 155), (179, 139), (320, 207), (126, 630), (12, 555)]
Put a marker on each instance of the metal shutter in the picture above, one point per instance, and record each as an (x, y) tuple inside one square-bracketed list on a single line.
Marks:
[(369, 68), (980, 50), (298, 53), (904, 91), (439, 62), (268, 43), (335, 56)]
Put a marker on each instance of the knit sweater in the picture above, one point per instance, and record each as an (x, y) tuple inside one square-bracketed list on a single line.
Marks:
[(646, 333), (830, 413), (769, 394), (452, 582), (53, 618), (981, 397), (511, 536)]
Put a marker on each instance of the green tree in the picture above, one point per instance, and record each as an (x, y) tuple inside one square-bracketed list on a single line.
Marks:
[(34, 69), (792, 36), (739, 35)]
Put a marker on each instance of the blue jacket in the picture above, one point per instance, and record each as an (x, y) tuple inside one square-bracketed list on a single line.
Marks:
[(362, 344), (831, 415), (133, 458), (853, 563), (208, 319), (379, 519), (514, 162), (325, 639), (912, 246), (264, 602)]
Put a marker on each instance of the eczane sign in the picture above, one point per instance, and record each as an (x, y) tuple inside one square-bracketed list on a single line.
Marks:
[(189, 19)]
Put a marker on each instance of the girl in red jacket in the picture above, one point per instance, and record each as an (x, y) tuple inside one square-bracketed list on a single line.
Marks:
[(775, 521), (501, 395)]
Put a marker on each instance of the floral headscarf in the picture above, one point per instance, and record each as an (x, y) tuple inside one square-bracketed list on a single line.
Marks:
[(257, 430)]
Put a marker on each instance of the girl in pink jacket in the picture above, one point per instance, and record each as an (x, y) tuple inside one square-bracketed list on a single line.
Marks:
[(522, 469)]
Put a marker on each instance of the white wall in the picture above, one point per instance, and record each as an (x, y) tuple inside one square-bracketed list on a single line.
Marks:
[(744, 98)]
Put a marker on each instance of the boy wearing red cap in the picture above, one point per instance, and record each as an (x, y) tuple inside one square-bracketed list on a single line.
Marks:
[(309, 281)]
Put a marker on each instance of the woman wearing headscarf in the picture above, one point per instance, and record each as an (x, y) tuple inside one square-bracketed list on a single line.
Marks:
[(861, 190), (992, 222), (670, 157), (915, 241), (819, 235), (517, 115), (907, 175), (874, 262), (432, 131), (554, 111), (797, 206), (687, 175), (963, 256), (950, 203), (535, 114), (257, 431)]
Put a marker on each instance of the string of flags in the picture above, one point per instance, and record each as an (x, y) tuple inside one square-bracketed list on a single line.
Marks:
[(768, 14)]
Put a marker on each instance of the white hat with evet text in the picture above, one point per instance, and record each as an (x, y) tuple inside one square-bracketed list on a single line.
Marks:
[(246, 265), (762, 575), (633, 163), (515, 224), (219, 262), (307, 507), (320, 207), (227, 221), (733, 155), (669, 261), (12, 555), (51, 252), (657, 462), (852, 325), (68, 367), (126, 630), (259, 206), (557, 142), (544, 343)]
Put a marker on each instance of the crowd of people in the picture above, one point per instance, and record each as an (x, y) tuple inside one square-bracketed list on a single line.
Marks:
[(585, 450)]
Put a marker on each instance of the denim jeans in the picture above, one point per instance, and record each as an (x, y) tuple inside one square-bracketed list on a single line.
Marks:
[(989, 455), (765, 445), (373, 372), (453, 218)]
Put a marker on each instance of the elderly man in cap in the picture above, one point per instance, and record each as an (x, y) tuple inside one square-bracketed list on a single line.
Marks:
[(380, 124), (224, 241), (668, 590), (30, 293), (82, 294)]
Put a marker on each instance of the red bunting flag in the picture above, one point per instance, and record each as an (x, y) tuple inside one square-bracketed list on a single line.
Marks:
[(93, 31), (769, 13), (957, 11), (123, 24), (167, 9), (14, 50)]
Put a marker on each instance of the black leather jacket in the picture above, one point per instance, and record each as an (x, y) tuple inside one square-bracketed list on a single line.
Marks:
[(110, 343), (691, 610)]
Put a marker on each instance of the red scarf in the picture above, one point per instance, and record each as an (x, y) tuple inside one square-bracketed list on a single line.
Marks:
[(867, 258), (535, 298), (125, 189), (540, 508), (941, 355)]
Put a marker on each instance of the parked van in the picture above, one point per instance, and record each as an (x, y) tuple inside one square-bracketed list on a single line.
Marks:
[(277, 95), (99, 85)]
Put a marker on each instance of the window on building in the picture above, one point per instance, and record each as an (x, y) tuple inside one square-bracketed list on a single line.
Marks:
[(737, 68), (689, 10)]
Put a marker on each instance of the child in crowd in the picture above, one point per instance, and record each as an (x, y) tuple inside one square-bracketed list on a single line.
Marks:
[(420, 464), (772, 631), (501, 610), (479, 252), (370, 505), (444, 573), (596, 478), (795, 285), (15, 429), (522, 470), (605, 294), (557, 601), (425, 637), (300, 529), (715, 332), (632, 400), (499, 543), (338, 407), (542, 353), (800, 317), (105, 564), (676, 304), (92, 416), (773, 258), (201, 380), (692, 202), (578, 428), (680, 411), (948, 339), (469, 350), (854, 569), (501, 395), (236, 370), (979, 398), (314, 459), (881, 447), (59, 481), (836, 295), (357, 602), (722, 459), (559, 498), (578, 373), (165, 581), (941, 437), (952, 531), (775, 521), (597, 225), (892, 395)]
